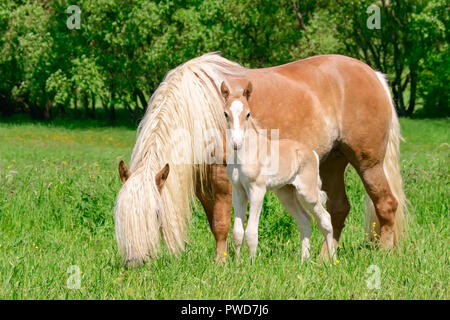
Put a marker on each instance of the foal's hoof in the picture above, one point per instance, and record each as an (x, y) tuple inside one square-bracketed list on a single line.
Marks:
[(324, 250)]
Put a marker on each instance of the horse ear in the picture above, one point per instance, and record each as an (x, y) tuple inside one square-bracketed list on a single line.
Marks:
[(161, 176), (224, 90), (248, 90), (124, 172)]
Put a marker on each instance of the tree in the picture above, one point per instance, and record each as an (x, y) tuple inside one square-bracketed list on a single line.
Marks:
[(400, 47)]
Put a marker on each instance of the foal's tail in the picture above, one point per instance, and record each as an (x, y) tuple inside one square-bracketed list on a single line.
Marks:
[(392, 171)]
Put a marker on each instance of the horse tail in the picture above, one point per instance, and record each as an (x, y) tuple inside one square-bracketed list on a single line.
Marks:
[(392, 170)]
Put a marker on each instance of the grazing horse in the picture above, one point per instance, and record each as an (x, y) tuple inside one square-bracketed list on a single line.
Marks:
[(335, 105), (255, 166)]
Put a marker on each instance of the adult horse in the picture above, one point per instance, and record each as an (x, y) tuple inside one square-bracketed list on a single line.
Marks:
[(335, 105)]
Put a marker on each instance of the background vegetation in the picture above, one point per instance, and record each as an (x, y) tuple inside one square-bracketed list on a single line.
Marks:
[(124, 48)]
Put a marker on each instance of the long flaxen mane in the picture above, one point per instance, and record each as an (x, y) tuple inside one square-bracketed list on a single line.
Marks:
[(182, 112)]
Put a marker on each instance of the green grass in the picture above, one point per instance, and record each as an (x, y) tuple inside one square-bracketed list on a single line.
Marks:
[(57, 193)]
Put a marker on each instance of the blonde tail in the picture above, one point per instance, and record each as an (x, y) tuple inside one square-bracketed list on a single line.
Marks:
[(392, 170)]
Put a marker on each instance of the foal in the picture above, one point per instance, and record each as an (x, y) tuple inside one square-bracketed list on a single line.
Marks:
[(292, 172)]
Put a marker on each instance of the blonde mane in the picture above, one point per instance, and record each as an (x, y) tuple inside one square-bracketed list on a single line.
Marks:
[(182, 112)]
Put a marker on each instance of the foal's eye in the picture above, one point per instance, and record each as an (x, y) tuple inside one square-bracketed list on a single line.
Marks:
[(226, 115), (248, 115)]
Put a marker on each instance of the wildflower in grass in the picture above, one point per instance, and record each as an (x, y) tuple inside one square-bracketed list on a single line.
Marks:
[(337, 261), (119, 279), (224, 254), (366, 234), (64, 162)]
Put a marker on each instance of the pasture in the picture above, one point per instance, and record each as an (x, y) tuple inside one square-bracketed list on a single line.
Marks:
[(59, 181)]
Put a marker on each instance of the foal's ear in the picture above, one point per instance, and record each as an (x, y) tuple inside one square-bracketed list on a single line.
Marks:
[(124, 172), (248, 91), (161, 176), (224, 90)]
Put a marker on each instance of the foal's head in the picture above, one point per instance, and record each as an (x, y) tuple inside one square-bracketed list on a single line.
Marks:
[(237, 111)]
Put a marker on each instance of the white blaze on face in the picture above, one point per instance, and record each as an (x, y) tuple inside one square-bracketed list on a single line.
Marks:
[(237, 134)]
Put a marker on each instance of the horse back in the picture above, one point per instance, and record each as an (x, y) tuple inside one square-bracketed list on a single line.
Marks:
[(321, 101)]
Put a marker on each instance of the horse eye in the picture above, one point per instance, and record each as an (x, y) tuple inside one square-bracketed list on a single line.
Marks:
[(248, 115), (226, 115)]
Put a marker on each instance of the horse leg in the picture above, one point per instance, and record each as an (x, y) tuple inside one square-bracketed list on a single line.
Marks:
[(368, 160), (220, 222), (217, 206), (287, 197), (240, 202), (377, 187), (332, 175), (256, 197)]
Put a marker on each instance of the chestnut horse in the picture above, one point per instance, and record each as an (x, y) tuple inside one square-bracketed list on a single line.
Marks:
[(335, 105)]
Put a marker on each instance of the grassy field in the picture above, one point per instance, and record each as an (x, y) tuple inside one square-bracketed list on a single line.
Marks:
[(57, 191)]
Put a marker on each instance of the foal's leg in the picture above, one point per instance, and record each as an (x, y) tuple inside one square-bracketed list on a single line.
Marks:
[(240, 202), (288, 197), (256, 197), (311, 197), (332, 175)]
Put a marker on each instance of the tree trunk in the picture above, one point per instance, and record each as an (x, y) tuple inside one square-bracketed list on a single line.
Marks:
[(46, 113), (142, 99), (412, 93), (62, 109), (93, 105), (75, 100)]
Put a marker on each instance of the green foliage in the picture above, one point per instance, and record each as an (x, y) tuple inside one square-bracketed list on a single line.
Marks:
[(124, 48), (410, 46), (433, 25)]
